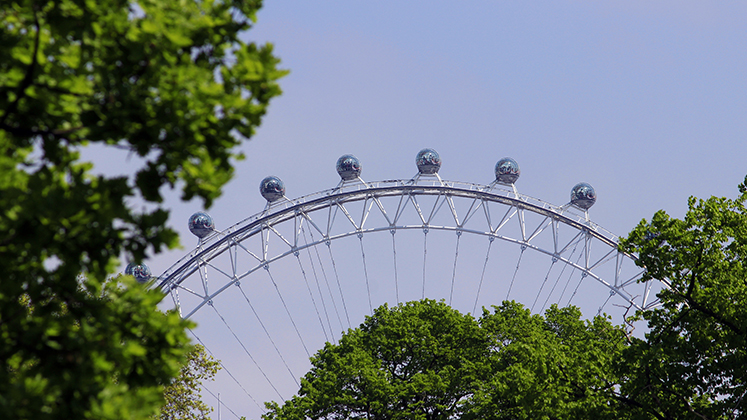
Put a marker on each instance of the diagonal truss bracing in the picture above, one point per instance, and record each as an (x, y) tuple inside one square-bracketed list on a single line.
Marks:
[(390, 206)]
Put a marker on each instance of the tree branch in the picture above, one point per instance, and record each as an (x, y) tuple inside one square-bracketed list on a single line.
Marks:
[(692, 303), (634, 403)]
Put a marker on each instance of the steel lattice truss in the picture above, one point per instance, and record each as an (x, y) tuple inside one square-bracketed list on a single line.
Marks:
[(289, 228)]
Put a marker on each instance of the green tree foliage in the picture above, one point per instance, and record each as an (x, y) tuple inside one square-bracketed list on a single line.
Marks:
[(183, 394), (425, 360), (553, 367), (101, 353), (691, 364), (169, 81)]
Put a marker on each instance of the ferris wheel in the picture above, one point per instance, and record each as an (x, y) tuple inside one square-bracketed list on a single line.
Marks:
[(270, 290)]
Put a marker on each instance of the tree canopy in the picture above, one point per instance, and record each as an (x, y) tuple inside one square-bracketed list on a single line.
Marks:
[(169, 81), (691, 362), (425, 360)]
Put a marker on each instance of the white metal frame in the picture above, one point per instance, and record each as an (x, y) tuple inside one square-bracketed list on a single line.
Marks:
[(309, 211)]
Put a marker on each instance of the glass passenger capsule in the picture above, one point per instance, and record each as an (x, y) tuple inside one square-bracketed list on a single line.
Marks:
[(272, 188), (507, 171), (141, 272), (348, 167), (428, 161), (583, 196), (201, 224)]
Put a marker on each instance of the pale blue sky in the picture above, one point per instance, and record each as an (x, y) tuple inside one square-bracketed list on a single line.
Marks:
[(646, 101)]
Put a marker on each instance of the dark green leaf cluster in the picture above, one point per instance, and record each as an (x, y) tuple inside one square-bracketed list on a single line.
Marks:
[(103, 352), (168, 81), (692, 361), (425, 360), (553, 367)]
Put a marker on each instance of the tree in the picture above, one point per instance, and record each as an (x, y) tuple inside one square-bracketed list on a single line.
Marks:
[(102, 352), (168, 81), (413, 361), (691, 362), (183, 394), (425, 360), (553, 367)]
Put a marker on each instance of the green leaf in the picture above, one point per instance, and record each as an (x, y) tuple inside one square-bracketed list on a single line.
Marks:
[(133, 75)]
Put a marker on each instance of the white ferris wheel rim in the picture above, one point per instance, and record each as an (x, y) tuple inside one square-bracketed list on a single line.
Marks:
[(287, 210)]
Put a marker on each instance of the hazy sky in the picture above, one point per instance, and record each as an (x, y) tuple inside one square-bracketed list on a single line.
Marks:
[(644, 100)]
